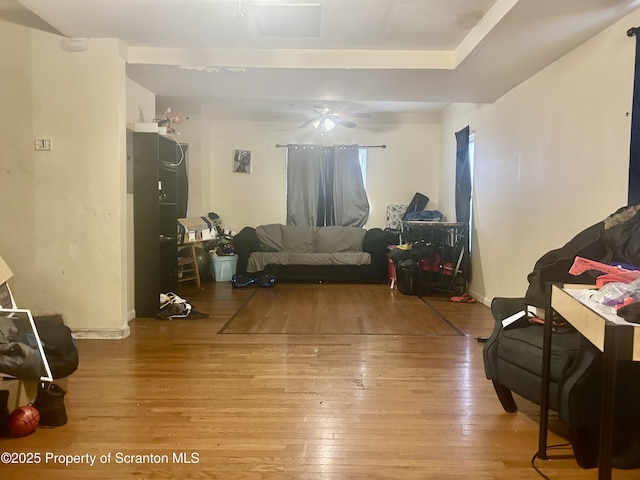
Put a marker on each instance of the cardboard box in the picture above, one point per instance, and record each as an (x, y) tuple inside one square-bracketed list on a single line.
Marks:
[(5, 271), (196, 229)]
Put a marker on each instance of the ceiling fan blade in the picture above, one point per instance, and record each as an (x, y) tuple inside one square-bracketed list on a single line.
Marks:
[(343, 121), (307, 123), (355, 115), (323, 109)]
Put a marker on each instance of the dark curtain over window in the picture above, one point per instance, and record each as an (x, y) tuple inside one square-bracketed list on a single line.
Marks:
[(326, 209), (633, 196), (463, 177)]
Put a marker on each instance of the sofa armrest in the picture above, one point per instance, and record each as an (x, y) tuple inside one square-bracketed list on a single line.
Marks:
[(376, 242), (245, 243)]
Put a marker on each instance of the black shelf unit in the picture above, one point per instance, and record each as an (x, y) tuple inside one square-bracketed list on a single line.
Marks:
[(155, 213), (444, 249)]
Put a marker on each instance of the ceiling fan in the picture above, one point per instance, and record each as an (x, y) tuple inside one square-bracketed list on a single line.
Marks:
[(324, 119)]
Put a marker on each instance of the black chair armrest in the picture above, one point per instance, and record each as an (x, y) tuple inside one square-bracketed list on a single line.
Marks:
[(501, 308)]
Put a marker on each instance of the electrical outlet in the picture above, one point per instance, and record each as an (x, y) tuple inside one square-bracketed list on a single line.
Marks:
[(42, 144)]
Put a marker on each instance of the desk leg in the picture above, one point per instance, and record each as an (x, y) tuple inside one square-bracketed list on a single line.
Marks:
[(616, 342), (546, 367), (194, 255)]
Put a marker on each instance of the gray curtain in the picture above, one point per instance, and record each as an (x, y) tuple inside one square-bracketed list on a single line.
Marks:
[(303, 181), (350, 200), (325, 187)]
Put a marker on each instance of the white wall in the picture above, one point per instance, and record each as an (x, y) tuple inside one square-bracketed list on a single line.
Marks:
[(409, 164), (17, 177), (141, 104), (551, 159), (66, 207)]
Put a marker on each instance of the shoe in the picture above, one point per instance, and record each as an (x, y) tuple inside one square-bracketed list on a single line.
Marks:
[(50, 403), (464, 298)]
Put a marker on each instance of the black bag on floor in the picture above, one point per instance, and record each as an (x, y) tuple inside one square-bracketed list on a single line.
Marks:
[(58, 344), (407, 280)]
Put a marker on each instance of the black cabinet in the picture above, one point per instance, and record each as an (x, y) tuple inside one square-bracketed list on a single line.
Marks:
[(155, 159)]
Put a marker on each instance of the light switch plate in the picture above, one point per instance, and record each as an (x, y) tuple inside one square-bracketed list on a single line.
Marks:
[(42, 144)]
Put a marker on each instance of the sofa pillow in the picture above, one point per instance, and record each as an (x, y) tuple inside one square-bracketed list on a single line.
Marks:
[(270, 237), (338, 239), (296, 238)]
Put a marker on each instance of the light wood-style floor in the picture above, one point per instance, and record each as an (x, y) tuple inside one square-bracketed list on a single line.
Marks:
[(194, 404)]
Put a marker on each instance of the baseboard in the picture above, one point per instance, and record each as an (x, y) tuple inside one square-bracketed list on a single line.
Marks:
[(131, 315), (484, 300), (101, 333)]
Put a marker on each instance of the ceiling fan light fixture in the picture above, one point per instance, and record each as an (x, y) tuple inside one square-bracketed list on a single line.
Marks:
[(74, 44), (328, 125)]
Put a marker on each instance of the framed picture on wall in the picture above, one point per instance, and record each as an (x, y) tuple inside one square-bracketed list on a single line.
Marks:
[(242, 161)]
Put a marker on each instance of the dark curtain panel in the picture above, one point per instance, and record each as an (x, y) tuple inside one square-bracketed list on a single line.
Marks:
[(633, 196), (303, 181), (463, 177), (463, 190), (349, 195), (326, 209)]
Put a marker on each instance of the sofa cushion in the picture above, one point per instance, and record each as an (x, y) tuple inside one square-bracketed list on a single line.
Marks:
[(297, 238), (276, 237), (270, 237), (336, 239)]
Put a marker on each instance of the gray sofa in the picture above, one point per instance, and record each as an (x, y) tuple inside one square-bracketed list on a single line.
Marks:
[(300, 253)]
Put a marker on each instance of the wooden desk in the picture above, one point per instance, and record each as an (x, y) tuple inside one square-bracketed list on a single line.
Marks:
[(615, 338)]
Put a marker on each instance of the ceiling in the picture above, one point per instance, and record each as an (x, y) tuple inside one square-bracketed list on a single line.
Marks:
[(369, 56)]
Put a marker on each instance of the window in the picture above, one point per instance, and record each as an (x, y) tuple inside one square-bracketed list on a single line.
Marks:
[(362, 157), (325, 185)]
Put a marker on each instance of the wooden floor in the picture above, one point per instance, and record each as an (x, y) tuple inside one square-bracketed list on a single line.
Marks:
[(337, 309), (176, 400)]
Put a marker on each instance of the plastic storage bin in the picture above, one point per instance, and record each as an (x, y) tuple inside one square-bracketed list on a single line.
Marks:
[(224, 267)]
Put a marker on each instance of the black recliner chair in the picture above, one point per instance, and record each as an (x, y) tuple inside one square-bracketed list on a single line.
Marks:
[(513, 362), (513, 356)]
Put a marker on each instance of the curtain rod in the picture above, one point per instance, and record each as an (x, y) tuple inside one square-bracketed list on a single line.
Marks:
[(361, 146), (632, 31)]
